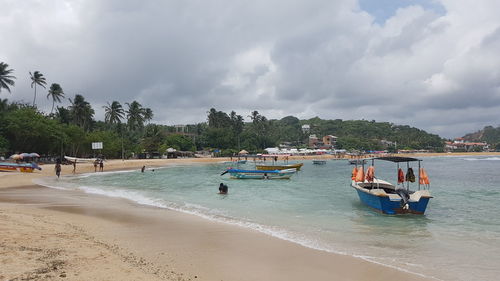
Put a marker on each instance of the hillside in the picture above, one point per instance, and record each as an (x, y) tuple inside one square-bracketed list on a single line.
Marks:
[(488, 134)]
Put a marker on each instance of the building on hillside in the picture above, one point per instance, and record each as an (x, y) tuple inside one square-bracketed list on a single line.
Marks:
[(180, 128), (459, 144), (313, 141), (329, 140), (306, 128)]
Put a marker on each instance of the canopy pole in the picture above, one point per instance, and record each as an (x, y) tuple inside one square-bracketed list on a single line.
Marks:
[(418, 175)]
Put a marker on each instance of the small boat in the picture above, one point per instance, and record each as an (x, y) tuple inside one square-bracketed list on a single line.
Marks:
[(296, 166), (393, 199), (357, 161), (260, 174), (80, 160), (319, 162), (24, 167)]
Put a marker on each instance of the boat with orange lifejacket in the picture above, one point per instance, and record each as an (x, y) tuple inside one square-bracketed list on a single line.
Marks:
[(388, 198)]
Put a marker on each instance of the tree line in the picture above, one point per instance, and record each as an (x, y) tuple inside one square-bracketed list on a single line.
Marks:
[(127, 131)]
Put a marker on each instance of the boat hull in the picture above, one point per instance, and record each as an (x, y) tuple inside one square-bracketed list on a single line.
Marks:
[(392, 204), (279, 167)]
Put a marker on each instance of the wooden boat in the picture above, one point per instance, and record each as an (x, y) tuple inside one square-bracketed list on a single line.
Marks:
[(388, 198), (23, 167), (260, 174), (319, 162), (80, 160), (357, 161), (296, 166)]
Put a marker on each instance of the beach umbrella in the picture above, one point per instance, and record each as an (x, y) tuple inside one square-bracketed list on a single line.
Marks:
[(170, 149), (243, 152), (16, 156)]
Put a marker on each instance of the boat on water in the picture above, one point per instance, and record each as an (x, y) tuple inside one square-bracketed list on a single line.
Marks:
[(319, 162), (357, 161), (393, 199), (259, 174), (22, 167), (235, 162), (296, 166)]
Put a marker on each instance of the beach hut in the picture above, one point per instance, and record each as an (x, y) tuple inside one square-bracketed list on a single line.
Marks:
[(243, 152)]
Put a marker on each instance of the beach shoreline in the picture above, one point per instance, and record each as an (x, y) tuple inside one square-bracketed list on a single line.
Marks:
[(108, 234)]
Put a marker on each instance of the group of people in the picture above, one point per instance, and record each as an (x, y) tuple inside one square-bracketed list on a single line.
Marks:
[(97, 162)]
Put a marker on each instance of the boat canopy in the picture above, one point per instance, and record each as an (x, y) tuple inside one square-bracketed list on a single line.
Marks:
[(397, 159)]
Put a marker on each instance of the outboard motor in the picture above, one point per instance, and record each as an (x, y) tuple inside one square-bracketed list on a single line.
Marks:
[(405, 196)]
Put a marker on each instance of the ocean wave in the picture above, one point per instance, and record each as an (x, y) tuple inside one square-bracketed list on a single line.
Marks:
[(481, 158)]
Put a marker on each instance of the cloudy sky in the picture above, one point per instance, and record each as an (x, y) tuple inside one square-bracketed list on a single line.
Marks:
[(432, 64)]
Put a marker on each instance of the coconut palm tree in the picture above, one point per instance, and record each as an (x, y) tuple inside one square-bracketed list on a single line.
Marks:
[(37, 79), (114, 113), (81, 112), (56, 92), (135, 116), (6, 79)]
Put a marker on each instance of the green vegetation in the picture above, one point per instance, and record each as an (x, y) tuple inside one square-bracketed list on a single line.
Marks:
[(489, 135), (126, 132)]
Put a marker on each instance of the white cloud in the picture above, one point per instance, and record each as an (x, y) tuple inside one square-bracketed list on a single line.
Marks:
[(303, 58)]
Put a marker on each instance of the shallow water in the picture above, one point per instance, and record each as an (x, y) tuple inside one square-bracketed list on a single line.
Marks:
[(457, 239)]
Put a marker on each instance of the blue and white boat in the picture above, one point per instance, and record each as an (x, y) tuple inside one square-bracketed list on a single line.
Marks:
[(394, 199), (260, 174)]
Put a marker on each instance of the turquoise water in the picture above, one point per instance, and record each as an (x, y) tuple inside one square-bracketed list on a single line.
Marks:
[(457, 239)]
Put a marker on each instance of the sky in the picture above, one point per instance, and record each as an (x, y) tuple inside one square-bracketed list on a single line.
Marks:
[(431, 64)]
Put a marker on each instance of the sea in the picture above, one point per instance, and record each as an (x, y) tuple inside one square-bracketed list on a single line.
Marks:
[(458, 238)]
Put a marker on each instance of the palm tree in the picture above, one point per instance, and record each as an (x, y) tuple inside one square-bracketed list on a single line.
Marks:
[(114, 113), (37, 79), (56, 92), (135, 115), (6, 79), (81, 111)]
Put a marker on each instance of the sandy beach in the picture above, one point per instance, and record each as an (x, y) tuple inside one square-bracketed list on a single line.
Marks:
[(50, 234)]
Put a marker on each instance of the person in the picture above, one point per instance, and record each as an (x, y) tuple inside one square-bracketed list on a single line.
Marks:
[(101, 165), (74, 167), (95, 165), (58, 169), (223, 188), (143, 168)]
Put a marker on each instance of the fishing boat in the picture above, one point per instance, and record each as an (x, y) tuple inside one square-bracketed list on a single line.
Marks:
[(296, 166), (80, 160), (393, 199), (357, 161), (319, 162), (23, 167), (260, 174)]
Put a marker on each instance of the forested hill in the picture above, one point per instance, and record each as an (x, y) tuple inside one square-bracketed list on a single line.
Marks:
[(366, 135), (489, 135)]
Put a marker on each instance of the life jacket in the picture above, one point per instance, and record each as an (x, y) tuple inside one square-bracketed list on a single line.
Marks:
[(401, 176), (370, 174), (410, 176), (424, 179), (354, 173), (360, 176)]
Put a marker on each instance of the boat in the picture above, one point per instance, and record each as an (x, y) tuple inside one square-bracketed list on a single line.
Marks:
[(393, 199), (319, 162), (357, 161), (23, 167), (260, 174), (296, 166), (80, 160)]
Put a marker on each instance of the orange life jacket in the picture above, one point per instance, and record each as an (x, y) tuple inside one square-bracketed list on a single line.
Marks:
[(401, 176), (360, 176), (354, 173), (370, 174)]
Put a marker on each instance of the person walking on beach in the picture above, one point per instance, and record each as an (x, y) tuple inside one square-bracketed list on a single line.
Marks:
[(95, 165), (58, 169), (101, 165), (74, 167)]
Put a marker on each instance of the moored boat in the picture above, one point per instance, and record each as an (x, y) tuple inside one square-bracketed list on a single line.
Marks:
[(319, 162), (23, 167), (296, 166), (260, 174), (393, 199)]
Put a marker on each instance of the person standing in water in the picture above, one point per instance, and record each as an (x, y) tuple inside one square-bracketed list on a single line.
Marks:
[(58, 169), (223, 188), (143, 168)]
